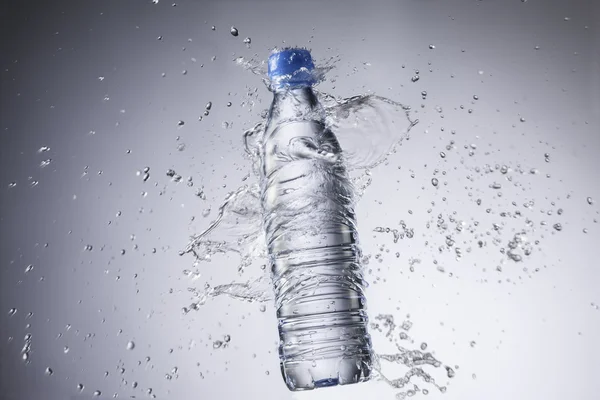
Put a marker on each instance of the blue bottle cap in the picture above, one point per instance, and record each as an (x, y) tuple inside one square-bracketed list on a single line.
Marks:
[(291, 67)]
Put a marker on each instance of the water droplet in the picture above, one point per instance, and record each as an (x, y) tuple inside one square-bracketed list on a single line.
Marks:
[(97, 393), (475, 97), (180, 123), (450, 372), (262, 308), (208, 105), (537, 47), (233, 31), (496, 185), (217, 344), (522, 119), (504, 169), (80, 385), (12, 312), (434, 181), (89, 247), (213, 28), (66, 349), (442, 154), (431, 46), (228, 104), (49, 371), (558, 227), (590, 201), (423, 346), (415, 78), (227, 338), (247, 40), (130, 345), (473, 343)]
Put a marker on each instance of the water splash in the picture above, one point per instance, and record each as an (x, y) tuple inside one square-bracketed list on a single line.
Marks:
[(367, 128), (415, 362), (238, 225)]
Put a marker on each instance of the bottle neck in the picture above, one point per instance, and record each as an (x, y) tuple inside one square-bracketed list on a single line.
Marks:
[(296, 103)]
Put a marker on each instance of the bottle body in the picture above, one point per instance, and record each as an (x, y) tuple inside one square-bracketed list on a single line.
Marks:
[(310, 229)]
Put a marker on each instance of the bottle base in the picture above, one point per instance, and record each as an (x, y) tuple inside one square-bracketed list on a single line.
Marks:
[(314, 374)]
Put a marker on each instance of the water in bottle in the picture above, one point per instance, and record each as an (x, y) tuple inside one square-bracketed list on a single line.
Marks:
[(308, 208)]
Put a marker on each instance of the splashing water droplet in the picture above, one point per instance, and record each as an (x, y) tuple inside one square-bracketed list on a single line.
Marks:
[(247, 40), (431, 46), (80, 386), (12, 312), (217, 344)]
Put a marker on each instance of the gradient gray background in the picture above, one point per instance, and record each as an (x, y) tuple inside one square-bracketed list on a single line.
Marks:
[(536, 332)]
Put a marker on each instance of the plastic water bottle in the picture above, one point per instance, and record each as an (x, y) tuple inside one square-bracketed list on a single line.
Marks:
[(308, 206)]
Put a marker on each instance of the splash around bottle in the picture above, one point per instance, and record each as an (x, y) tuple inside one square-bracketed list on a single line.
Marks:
[(308, 203)]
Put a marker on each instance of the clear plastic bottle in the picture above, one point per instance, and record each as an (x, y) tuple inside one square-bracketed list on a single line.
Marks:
[(308, 206)]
